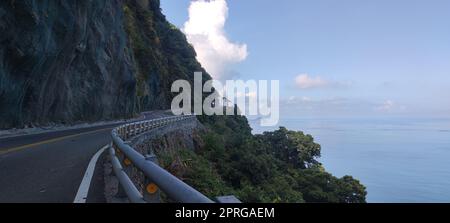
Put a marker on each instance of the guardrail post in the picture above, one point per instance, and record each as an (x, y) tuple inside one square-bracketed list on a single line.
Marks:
[(152, 193), (126, 167), (119, 153), (127, 131), (120, 191)]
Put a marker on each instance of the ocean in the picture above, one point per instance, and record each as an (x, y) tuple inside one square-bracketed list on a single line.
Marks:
[(397, 159)]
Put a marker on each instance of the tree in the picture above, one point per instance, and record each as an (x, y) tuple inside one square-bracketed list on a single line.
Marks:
[(293, 147)]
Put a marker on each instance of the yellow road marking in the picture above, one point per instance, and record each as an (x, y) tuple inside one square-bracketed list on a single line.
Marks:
[(15, 149)]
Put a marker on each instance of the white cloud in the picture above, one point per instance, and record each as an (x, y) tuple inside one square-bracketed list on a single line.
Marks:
[(387, 105), (205, 31), (296, 106), (304, 81), (296, 100), (390, 106)]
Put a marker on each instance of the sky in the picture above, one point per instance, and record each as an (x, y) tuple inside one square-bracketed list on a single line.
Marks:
[(333, 58)]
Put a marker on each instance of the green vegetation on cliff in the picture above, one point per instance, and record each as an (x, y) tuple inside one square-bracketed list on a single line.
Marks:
[(279, 166)]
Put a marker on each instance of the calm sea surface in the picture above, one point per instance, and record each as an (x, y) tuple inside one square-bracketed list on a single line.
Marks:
[(398, 160)]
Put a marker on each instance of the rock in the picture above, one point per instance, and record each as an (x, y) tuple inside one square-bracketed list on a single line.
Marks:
[(68, 61)]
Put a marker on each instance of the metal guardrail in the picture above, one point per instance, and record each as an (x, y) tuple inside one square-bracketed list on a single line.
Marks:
[(123, 157)]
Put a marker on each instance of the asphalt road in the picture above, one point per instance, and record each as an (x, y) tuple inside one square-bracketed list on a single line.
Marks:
[(49, 167)]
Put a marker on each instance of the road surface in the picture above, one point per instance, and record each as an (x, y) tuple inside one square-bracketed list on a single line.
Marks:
[(49, 167)]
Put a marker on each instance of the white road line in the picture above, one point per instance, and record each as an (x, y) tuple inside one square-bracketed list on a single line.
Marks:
[(83, 190)]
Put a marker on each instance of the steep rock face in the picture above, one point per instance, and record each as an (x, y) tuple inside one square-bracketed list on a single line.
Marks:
[(63, 61), (69, 60)]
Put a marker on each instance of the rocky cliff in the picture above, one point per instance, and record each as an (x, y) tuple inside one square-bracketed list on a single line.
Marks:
[(68, 60)]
